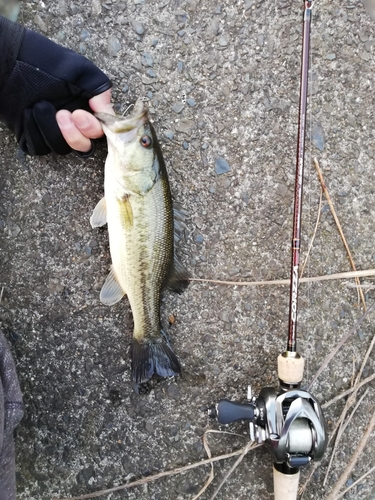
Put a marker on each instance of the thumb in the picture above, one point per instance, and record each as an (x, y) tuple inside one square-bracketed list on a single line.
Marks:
[(102, 103)]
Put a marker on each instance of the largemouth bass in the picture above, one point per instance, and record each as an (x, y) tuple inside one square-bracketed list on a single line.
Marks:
[(137, 206)]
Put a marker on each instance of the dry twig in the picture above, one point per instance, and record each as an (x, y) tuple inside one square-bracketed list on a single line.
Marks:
[(348, 391), (326, 193), (342, 425), (303, 487), (361, 445), (250, 446), (208, 451), (325, 277), (313, 236), (154, 477), (340, 344), (340, 495)]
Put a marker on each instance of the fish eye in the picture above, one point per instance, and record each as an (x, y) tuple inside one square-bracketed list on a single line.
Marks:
[(146, 141)]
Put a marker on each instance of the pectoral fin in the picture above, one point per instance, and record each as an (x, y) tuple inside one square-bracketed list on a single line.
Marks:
[(99, 215), (111, 292)]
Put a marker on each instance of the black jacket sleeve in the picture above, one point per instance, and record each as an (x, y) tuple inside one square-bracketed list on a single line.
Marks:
[(11, 412)]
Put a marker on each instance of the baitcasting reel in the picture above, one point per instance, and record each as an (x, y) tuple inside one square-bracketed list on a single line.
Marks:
[(291, 423)]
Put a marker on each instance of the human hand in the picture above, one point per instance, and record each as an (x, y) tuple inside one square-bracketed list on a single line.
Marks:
[(79, 127), (38, 78)]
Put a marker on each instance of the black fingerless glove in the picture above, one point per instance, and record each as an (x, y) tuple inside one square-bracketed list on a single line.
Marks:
[(37, 78)]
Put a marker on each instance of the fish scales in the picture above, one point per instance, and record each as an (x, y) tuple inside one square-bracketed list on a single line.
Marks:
[(138, 209)]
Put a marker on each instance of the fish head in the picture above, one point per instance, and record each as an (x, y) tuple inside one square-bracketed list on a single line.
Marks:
[(132, 159)]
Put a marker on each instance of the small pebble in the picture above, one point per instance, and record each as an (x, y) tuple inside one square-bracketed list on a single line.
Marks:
[(84, 35), (178, 107), (317, 136), (147, 80), (221, 166), (114, 45), (169, 134), (147, 60), (185, 126), (222, 41), (174, 392), (138, 27), (14, 230), (365, 56), (40, 23), (191, 102)]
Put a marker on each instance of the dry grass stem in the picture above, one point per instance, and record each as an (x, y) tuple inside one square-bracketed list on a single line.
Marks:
[(250, 446), (326, 277), (331, 437), (159, 475), (350, 403), (340, 495), (340, 344), (348, 391), (208, 451), (341, 426), (326, 193), (364, 286), (361, 445), (365, 359), (212, 474), (245, 450), (313, 236)]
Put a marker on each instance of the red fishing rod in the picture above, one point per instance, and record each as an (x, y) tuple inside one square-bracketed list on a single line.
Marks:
[(289, 420), (298, 189)]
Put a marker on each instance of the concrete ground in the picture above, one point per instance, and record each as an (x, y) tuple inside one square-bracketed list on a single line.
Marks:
[(222, 80)]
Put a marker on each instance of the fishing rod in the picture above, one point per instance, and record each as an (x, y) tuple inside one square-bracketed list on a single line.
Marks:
[(288, 419)]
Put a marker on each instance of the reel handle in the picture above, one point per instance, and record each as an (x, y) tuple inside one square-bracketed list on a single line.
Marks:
[(226, 411)]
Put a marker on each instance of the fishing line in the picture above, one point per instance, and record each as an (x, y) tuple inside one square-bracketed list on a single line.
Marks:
[(310, 93)]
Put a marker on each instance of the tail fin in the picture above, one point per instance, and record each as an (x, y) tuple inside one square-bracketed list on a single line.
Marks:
[(153, 358)]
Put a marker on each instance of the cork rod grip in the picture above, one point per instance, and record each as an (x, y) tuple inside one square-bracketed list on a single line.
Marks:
[(285, 485)]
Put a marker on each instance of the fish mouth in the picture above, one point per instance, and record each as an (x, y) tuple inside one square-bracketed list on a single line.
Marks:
[(125, 124)]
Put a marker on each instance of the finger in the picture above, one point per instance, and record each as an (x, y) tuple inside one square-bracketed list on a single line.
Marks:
[(87, 124), (102, 103), (71, 133)]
